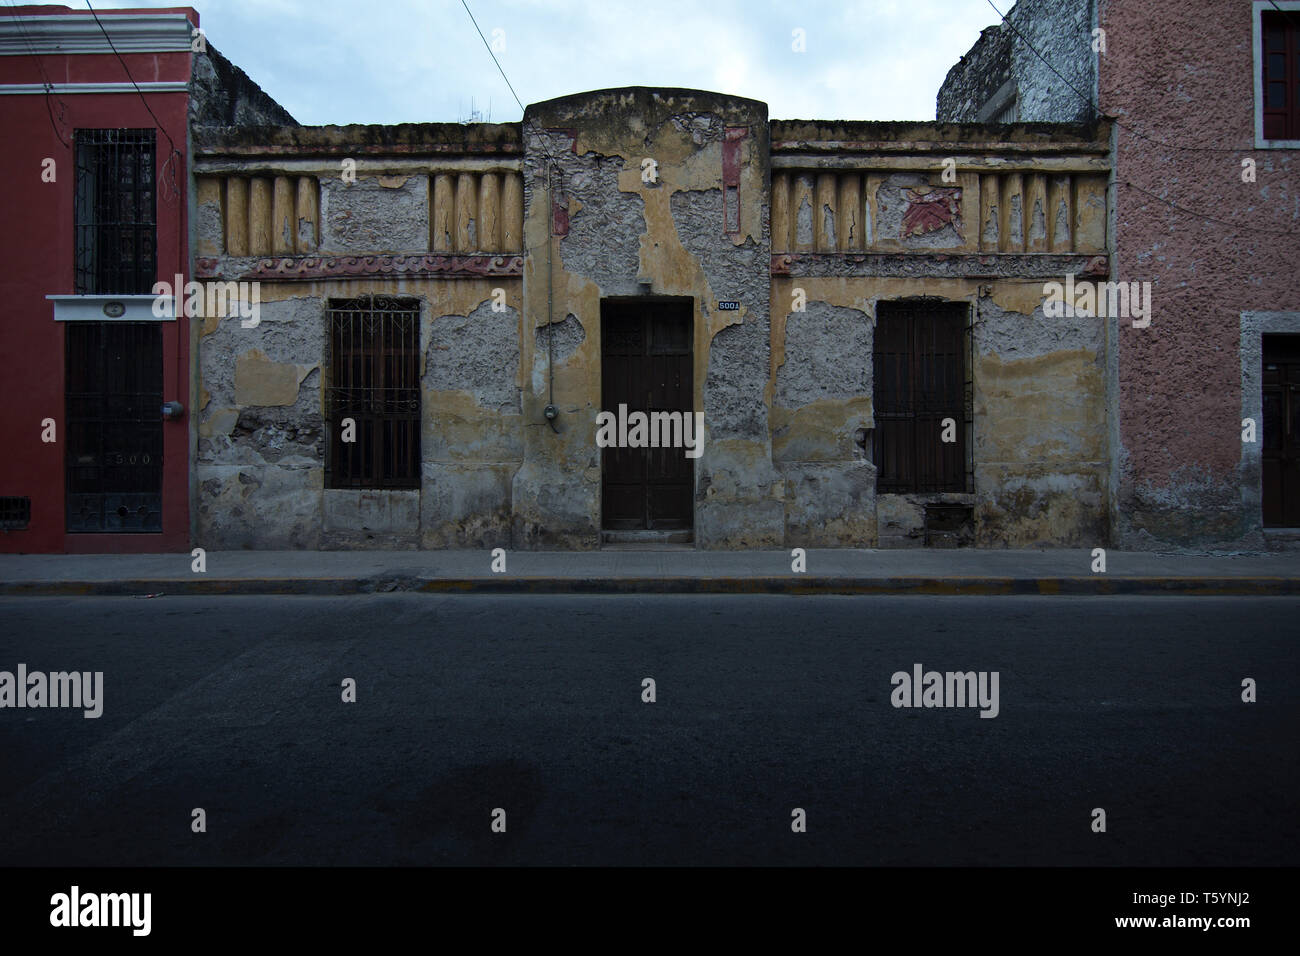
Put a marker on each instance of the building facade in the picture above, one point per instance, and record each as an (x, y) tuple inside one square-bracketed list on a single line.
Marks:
[(96, 113), (854, 312), (1205, 427), (1063, 315)]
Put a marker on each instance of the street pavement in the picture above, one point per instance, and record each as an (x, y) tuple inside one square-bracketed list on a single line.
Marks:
[(669, 569), (764, 704)]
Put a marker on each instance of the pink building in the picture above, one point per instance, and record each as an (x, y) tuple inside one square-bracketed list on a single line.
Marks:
[(1205, 399)]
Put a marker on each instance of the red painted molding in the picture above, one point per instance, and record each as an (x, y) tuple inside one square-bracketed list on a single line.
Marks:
[(289, 268), (1011, 265)]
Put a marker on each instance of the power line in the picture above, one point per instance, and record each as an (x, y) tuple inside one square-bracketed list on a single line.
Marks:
[(49, 87), (551, 166), (169, 164), (545, 139), (1201, 215), (490, 53), (127, 70), (1286, 13), (1140, 135)]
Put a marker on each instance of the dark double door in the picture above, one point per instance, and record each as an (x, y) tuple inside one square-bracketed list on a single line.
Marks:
[(646, 365), (1281, 431)]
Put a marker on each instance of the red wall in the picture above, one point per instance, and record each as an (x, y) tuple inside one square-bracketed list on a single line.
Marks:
[(36, 259)]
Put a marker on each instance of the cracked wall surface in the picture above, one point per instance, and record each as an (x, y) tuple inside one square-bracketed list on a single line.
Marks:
[(261, 437), (622, 226), (786, 390), (471, 440), (380, 214), (821, 399), (1040, 61), (262, 433), (1039, 450), (1041, 453)]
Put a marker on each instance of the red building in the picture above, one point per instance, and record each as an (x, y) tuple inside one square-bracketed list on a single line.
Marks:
[(96, 109)]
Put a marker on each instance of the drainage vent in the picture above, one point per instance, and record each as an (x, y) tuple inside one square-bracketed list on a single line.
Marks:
[(949, 526), (15, 512)]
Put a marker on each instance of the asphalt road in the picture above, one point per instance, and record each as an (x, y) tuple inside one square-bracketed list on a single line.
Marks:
[(763, 704)]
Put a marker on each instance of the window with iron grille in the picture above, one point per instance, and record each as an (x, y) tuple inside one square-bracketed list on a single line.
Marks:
[(920, 376), (373, 360), (115, 212)]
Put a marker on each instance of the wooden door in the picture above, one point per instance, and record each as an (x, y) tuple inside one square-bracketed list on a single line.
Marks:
[(646, 364)]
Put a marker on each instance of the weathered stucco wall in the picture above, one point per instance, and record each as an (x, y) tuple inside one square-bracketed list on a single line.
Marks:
[(669, 228), (820, 402), (1180, 473), (1212, 243), (1040, 423), (472, 439), (221, 94), (1039, 441), (645, 194), (262, 436), (260, 432), (261, 443), (979, 82), (864, 213), (1041, 63)]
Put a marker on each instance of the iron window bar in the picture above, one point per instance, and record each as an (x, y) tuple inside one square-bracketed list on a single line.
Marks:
[(115, 211), (114, 432), (373, 349)]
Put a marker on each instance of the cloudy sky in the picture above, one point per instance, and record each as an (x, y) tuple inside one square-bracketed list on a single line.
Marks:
[(392, 61)]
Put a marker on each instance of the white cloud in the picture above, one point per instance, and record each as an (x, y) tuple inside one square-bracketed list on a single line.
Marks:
[(344, 61)]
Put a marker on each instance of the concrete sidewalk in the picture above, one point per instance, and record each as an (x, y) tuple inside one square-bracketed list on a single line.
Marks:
[(667, 570)]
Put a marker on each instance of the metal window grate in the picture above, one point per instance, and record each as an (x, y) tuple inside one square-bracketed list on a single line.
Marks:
[(373, 360), (920, 378), (114, 442), (115, 211), (15, 512)]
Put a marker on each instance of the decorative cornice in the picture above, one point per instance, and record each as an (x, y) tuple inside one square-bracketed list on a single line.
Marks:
[(291, 268), (149, 86), (276, 150), (941, 146), (939, 265), (79, 33), (795, 264)]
